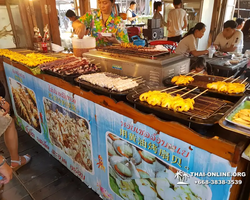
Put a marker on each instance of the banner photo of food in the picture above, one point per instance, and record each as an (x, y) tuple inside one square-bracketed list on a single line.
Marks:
[(25, 103), (70, 133), (114, 155), (68, 127), (145, 164)]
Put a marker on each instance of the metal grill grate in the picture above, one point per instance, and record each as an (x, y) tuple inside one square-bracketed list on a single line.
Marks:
[(204, 107), (146, 53)]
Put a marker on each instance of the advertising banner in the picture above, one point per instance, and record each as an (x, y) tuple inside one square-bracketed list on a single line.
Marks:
[(117, 157)]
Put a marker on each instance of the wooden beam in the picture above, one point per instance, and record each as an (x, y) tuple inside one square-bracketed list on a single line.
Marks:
[(53, 22), (84, 6), (44, 11), (28, 31), (13, 26), (29, 20)]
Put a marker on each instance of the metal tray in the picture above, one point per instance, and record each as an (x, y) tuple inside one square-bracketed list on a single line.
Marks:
[(104, 91), (226, 122), (202, 80), (243, 104), (68, 78), (207, 110)]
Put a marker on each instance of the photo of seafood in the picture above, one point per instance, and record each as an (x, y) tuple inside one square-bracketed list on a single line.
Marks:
[(25, 103), (135, 174), (70, 133)]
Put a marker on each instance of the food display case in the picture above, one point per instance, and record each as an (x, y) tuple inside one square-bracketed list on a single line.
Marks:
[(151, 67)]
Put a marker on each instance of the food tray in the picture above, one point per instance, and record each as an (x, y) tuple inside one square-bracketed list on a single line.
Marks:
[(68, 78), (207, 110), (104, 91), (243, 104), (226, 122), (134, 51), (221, 54), (201, 81)]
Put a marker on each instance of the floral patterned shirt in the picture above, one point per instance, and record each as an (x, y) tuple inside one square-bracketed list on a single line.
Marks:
[(114, 24)]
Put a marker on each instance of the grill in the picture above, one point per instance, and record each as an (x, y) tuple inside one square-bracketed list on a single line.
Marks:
[(145, 53), (117, 95), (202, 81), (207, 110)]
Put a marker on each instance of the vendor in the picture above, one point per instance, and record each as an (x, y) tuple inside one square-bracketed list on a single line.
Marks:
[(157, 14), (131, 16), (230, 39), (189, 43), (102, 21), (71, 15)]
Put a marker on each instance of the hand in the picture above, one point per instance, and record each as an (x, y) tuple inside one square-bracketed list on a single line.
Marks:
[(6, 173), (111, 39), (216, 47), (136, 16), (6, 107), (79, 29), (206, 52)]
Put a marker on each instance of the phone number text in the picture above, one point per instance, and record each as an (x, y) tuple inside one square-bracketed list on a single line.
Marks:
[(218, 182)]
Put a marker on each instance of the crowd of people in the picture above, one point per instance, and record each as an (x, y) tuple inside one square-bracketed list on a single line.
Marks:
[(235, 36)]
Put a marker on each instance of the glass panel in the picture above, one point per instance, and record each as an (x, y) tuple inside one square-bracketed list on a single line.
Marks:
[(21, 39), (6, 35), (65, 24)]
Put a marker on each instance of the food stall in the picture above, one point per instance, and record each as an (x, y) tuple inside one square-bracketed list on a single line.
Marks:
[(128, 149)]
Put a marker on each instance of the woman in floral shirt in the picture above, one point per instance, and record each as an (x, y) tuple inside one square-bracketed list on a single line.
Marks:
[(102, 21)]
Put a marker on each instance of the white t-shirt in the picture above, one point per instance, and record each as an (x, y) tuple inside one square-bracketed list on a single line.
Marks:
[(176, 19), (186, 45), (236, 40), (129, 14)]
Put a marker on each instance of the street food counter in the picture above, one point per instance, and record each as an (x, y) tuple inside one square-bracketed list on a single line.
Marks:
[(121, 151)]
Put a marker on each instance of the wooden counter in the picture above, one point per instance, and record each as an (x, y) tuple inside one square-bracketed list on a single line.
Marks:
[(225, 149)]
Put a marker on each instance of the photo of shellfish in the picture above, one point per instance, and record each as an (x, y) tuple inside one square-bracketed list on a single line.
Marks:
[(70, 133), (25, 103), (135, 174)]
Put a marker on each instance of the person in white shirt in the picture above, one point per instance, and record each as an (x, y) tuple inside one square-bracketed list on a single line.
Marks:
[(131, 16), (230, 39), (177, 21), (157, 14), (189, 43)]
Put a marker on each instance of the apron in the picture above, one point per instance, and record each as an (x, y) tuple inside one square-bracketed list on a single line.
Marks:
[(133, 15)]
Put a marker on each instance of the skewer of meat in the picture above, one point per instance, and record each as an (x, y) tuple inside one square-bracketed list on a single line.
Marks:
[(20, 106), (27, 105), (189, 91), (52, 64)]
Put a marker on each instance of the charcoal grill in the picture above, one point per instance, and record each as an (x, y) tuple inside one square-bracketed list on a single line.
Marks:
[(207, 110), (146, 53)]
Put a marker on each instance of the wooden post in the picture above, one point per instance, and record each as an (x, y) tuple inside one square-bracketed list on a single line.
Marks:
[(84, 6), (16, 41), (28, 31), (53, 22)]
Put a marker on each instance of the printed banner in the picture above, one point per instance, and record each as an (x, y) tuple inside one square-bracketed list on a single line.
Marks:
[(117, 158)]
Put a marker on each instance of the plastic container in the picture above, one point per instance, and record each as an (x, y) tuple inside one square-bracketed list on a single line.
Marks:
[(138, 41), (211, 51), (81, 46)]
